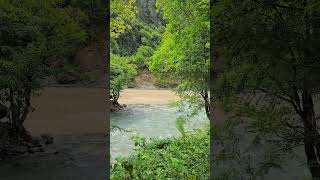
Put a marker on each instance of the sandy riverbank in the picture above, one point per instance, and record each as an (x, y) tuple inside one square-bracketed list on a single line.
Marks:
[(141, 96)]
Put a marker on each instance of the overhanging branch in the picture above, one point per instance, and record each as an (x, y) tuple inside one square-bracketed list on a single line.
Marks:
[(274, 94)]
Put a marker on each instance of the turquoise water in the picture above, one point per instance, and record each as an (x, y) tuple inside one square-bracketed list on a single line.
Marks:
[(157, 121), (154, 121)]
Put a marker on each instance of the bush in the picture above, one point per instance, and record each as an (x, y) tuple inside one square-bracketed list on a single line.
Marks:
[(121, 74), (142, 56), (177, 158)]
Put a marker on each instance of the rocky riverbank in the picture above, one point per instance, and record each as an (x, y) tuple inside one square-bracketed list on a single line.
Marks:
[(14, 144)]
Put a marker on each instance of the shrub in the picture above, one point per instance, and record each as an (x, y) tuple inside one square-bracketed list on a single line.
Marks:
[(142, 56), (121, 73), (177, 158)]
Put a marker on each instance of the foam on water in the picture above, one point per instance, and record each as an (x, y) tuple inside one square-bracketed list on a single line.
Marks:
[(149, 121)]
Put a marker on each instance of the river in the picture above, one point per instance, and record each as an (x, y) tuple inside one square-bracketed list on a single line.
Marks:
[(154, 121), (76, 118), (148, 114)]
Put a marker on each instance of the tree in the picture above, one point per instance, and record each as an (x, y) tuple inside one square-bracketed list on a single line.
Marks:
[(270, 72), (140, 34), (33, 36), (121, 74), (133, 42), (183, 54), (121, 11)]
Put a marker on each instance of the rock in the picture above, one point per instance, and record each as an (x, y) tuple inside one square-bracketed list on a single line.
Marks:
[(147, 11), (116, 107), (46, 139), (13, 143)]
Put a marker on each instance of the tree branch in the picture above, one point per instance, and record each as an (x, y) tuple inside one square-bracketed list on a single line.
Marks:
[(286, 7), (274, 94)]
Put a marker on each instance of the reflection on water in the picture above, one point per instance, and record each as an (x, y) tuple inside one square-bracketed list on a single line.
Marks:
[(154, 121)]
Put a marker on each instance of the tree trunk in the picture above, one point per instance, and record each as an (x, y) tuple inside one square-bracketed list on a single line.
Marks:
[(311, 140), (19, 127), (212, 77), (206, 99), (312, 159), (106, 22), (26, 106), (19, 109)]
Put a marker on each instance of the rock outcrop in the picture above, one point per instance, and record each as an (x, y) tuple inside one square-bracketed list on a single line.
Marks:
[(147, 11)]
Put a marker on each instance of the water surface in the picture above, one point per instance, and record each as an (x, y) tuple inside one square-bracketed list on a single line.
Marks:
[(149, 121), (76, 118)]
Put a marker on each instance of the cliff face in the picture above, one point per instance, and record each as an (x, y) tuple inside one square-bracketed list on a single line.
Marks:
[(147, 11)]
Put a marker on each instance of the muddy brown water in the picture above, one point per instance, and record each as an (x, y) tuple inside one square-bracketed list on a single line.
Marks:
[(68, 111), (76, 118)]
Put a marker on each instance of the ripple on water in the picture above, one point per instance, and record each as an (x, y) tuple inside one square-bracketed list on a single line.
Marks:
[(152, 121)]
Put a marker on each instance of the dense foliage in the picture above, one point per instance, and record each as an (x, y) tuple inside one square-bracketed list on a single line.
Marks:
[(141, 34), (178, 52), (121, 74), (33, 37), (268, 75), (122, 11), (133, 42), (177, 158), (183, 54)]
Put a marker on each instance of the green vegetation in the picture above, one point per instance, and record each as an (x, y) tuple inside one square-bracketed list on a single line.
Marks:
[(174, 50), (140, 34), (133, 42), (179, 51), (177, 158), (264, 74), (183, 55), (267, 76), (33, 37), (121, 74), (122, 11), (40, 40)]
